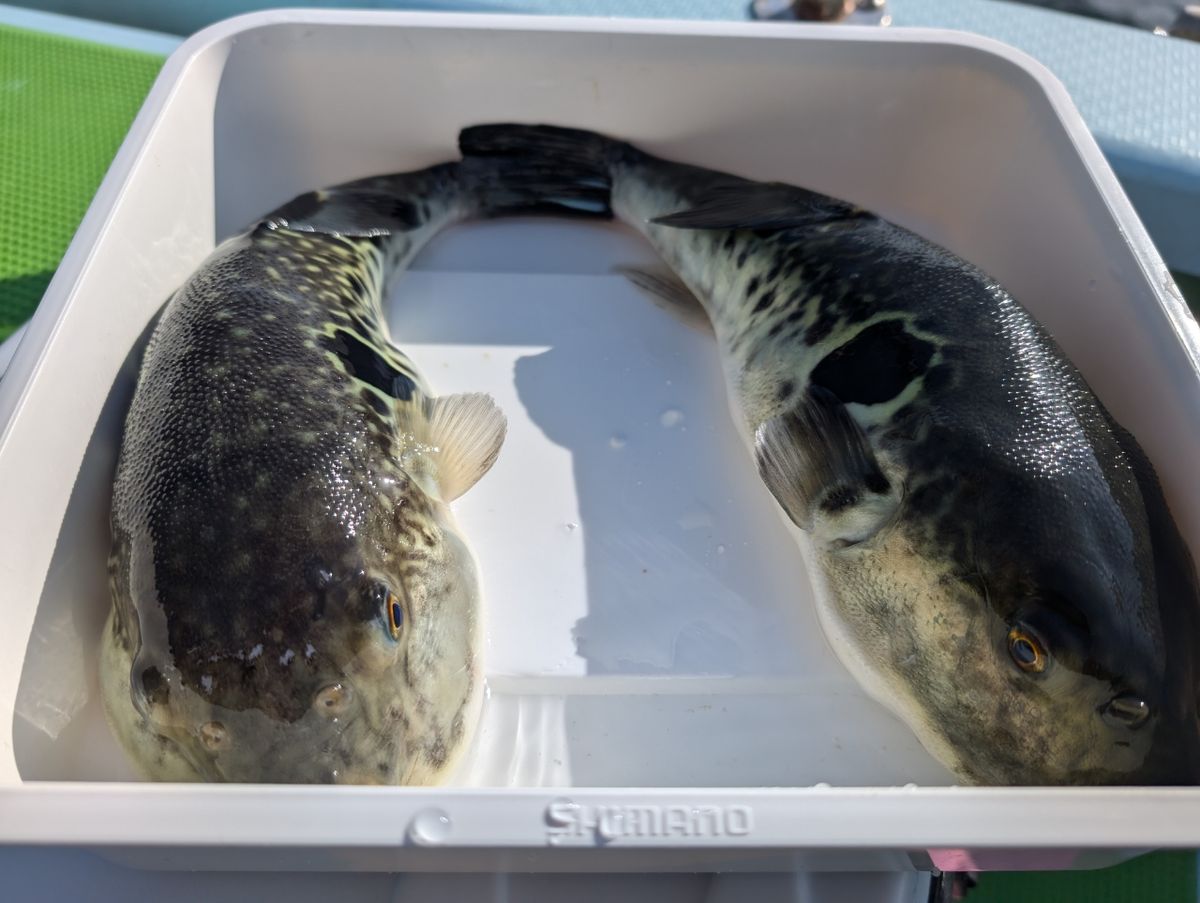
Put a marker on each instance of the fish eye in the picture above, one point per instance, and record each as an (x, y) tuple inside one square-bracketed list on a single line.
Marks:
[(1027, 650), (395, 615), (393, 608), (1126, 710)]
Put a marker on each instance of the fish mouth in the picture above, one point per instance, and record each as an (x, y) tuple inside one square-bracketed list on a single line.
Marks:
[(310, 774), (249, 747), (322, 768)]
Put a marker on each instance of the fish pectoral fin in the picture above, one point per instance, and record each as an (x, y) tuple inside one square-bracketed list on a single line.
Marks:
[(667, 291), (819, 465), (467, 430), (761, 205)]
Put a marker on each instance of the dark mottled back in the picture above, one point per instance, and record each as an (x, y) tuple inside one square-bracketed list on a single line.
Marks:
[(1013, 470), (251, 448)]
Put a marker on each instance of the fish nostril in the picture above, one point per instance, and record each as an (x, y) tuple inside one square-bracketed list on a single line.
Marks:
[(1126, 710), (214, 736), (333, 700)]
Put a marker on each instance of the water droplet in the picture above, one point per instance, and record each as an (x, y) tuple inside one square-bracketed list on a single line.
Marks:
[(671, 417), (720, 550), (429, 827), (571, 526), (617, 441)]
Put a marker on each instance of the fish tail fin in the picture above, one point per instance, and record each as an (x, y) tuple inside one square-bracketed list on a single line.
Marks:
[(540, 169)]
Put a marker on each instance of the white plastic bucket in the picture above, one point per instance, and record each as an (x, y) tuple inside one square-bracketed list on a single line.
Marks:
[(661, 696)]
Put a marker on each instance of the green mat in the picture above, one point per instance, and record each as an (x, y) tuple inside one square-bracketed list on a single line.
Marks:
[(1154, 878), (65, 105)]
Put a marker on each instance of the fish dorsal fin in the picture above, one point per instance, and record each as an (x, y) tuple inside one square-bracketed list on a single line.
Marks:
[(819, 465), (667, 291), (466, 432), (346, 212), (761, 205)]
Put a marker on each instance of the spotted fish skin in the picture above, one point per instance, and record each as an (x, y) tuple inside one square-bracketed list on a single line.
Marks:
[(292, 599), (996, 560)]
